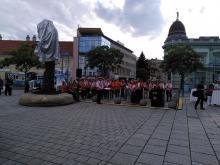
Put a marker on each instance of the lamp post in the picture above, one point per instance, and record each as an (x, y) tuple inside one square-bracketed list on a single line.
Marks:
[(61, 62), (68, 67), (213, 75), (66, 54), (213, 69)]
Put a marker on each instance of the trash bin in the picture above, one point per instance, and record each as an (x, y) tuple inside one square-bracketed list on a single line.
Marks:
[(157, 97)]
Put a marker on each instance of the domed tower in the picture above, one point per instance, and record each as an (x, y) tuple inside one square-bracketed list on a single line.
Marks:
[(177, 33)]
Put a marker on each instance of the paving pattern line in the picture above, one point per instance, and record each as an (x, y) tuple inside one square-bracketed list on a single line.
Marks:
[(207, 133)]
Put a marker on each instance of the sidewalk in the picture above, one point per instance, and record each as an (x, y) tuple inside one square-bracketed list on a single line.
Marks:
[(103, 134), (127, 103)]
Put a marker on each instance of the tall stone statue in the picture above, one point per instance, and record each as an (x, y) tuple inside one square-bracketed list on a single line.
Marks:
[(48, 51), (48, 46)]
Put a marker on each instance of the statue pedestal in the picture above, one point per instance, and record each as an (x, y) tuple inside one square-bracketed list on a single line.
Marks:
[(41, 100)]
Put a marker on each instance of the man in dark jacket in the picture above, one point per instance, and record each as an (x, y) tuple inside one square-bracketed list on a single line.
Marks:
[(8, 86), (201, 96), (1, 85)]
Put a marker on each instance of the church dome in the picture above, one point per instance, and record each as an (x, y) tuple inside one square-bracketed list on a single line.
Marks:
[(177, 28), (177, 32)]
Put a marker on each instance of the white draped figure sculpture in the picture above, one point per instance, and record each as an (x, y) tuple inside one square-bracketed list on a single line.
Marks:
[(48, 46), (48, 51)]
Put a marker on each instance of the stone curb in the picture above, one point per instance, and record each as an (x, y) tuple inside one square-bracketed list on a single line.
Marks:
[(165, 108), (38, 100)]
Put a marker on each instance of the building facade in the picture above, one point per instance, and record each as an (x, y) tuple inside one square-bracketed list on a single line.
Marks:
[(64, 65), (90, 38), (207, 47), (156, 72)]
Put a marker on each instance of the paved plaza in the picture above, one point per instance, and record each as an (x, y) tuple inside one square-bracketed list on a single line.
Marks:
[(90, 134)]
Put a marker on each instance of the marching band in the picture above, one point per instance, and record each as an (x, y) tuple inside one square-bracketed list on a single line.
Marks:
[(126, 89)]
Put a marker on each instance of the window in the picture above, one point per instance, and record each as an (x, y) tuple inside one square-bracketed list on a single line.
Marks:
[(203, 57), (216, 59), (88, 43)]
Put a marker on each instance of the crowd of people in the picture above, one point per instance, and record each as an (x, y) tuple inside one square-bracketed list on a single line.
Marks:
[(132, 90), (129, 90)]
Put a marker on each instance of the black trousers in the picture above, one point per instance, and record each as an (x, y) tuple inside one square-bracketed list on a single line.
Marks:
[(199, 99), (75, 96), (133, 97), (8, 91), (139, 96), (169, 95), (99, 95)]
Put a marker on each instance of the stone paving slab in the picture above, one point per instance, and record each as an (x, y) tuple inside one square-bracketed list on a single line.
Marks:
[(90, 134)]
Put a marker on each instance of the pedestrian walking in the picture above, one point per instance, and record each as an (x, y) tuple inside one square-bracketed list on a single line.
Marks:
[(201, 96), (1, 85), (8, 86), (169, 88)]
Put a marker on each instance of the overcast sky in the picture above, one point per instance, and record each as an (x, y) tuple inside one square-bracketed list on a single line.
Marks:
[(142, 25)]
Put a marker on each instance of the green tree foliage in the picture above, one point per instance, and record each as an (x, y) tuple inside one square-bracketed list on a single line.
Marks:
[(142, 67), (23, 58), (145, 68), (6, 62), (181, 59), (105, 58)]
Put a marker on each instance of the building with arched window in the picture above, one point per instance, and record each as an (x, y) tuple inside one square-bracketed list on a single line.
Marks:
[(66, 56), (208, 48)]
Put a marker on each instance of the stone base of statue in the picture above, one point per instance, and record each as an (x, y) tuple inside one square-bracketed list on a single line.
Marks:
[(48, 85), (48, 51), (42, 100)]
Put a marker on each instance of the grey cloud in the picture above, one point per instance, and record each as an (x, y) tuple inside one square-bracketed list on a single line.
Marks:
[(20, 17), (190, 10), (142, 17), (202, 9)]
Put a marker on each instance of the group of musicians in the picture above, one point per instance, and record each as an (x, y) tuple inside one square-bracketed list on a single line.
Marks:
[(133, 89)]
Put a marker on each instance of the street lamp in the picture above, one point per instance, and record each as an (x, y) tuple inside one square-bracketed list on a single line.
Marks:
[(66, 54), (213, 70)]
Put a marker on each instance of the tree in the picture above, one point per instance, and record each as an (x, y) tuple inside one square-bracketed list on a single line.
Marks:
[(145, 68), (23, 58), (6, 62), (105, 58), (181, 59), (142, 67)]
